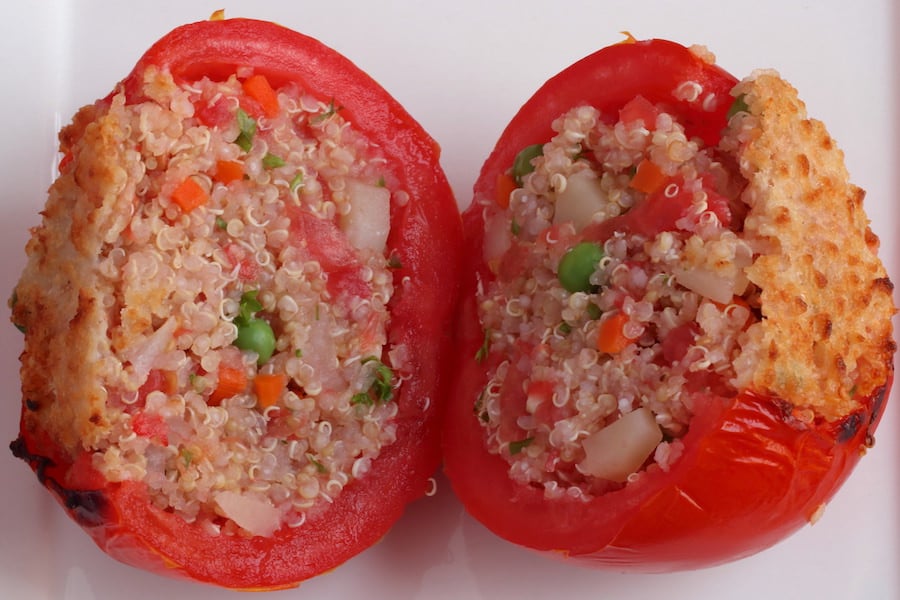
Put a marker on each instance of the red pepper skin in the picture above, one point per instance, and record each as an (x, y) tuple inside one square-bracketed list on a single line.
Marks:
[(751, 473), (425, 240)]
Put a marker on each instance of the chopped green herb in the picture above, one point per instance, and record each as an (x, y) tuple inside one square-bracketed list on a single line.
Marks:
[(394, 262), (522, 163), (564, 328), (330, 111), (298, 353), (272, 161), (198, 382), (518, 445), (515, 228), (381, 182), (221, 223), (187, 456), (383, 385), (593, 311), (482, 353), (319, 466), (247, 127), (739, 105), (382, 388), (363, 398), (248, 305), (297, 181)]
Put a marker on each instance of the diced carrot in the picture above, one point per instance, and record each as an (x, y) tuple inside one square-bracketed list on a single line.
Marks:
[(648, 178), (232, 381), (258, 88), (505, 186), (228, 171), (611, 337), (268, 388), (189, 195)]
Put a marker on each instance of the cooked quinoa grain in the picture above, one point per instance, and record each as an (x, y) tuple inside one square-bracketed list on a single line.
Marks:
[(229, 262)]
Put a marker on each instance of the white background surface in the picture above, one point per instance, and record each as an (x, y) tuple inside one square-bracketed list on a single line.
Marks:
[(462, 68)]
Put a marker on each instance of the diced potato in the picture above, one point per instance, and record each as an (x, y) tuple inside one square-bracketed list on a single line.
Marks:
[(256, 515), (368, 223), (708, 284), (581, 199), (621, 448)]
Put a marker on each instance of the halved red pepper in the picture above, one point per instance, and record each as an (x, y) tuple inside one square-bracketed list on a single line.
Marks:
[(424, 244), (751, 472)]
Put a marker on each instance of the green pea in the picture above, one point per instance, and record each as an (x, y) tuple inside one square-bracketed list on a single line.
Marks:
[(522, 164), (577, 266), (256, 335)]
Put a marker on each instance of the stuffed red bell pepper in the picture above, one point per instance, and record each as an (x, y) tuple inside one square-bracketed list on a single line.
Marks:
[(234, 310), (676, 332)]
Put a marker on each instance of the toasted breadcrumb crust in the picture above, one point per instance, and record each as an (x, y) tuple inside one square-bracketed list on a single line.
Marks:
[(825, 340), (61, 297)]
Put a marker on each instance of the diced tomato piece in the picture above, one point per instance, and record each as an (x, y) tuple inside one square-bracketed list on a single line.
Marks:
[(675, 345), (640, 109), (662, 209), (151, 426), (158, 380), (716, 202), (512, 406), (240, 256), (546, 412), (213, 114), (514, 261), (325, 243), (658, 212)]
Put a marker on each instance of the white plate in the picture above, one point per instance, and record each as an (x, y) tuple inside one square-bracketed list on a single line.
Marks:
[(462, 68)]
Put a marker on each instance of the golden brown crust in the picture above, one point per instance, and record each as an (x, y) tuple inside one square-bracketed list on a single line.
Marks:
[(825, 340), (60, 296)]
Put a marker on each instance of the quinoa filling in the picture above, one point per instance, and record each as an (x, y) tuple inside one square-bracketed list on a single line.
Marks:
[(249, 304), (618, 298)]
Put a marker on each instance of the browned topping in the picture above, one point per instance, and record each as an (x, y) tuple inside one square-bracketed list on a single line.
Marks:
[(817, 255)]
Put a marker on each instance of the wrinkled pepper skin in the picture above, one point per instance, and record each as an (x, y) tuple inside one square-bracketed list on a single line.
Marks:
[(751, 473), (425, 239)]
